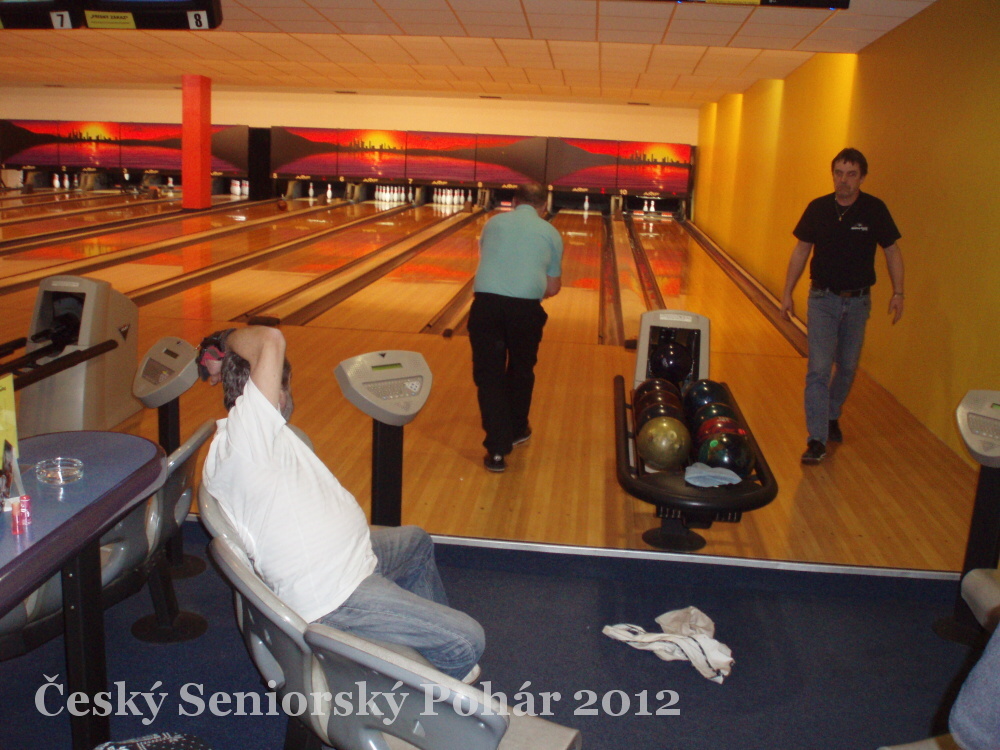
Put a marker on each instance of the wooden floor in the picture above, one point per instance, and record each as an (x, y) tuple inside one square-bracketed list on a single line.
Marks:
[(892, 495)]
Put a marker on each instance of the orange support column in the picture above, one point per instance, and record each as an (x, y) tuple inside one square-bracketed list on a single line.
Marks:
[(196, 142)]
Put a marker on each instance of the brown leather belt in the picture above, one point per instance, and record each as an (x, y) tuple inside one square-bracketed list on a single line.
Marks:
[(863, 292)]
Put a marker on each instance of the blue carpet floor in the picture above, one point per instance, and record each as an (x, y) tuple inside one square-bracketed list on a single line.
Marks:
[(823, 661)]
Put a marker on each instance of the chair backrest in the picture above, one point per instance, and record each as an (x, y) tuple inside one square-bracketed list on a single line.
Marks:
[(981, 591), (140, 535), (461, 717), (272, 632), (172, 502)]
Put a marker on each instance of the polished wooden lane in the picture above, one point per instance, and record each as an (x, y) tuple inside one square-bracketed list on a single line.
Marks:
[(135, 210), (57, 252), (250, 288), (66, 207), (632, 301), (574, 313), (407, 298), (891, 495), (134, 277)]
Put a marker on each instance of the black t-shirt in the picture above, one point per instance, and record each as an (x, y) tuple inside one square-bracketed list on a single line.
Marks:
[(844, 247)]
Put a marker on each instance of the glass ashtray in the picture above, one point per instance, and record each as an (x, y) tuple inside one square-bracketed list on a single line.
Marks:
[(59, 470)]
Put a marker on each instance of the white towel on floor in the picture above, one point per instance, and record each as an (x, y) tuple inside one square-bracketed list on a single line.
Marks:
[(687, 634)]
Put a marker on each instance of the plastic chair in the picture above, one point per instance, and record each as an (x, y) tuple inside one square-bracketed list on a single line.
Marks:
[(274, 636), (981, 591), (462, 717), (131, 551), (310, 660)]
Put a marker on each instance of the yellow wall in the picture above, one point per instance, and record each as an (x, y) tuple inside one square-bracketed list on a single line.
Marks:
[(921, 104)]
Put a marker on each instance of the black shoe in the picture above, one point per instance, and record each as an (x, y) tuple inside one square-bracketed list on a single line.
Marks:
[(494, 462), (834, 434), (814, 452), (524, 438)]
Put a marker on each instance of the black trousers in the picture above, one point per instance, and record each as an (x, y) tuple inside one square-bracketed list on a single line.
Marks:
[(505, 333)]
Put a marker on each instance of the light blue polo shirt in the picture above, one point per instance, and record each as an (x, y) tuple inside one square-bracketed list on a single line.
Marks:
[(517, 250)]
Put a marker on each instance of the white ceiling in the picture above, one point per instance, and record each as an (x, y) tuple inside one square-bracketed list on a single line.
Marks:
[(614, 51)]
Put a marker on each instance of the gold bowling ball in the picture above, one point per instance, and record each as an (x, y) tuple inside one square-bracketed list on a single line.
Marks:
[(664, 443)]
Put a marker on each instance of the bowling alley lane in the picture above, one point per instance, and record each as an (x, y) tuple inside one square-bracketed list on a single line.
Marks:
[(409, 297), (134, 209), (252, 287), (64, 251), (17, 199), (574, 313), (65, 206), (690, 280)]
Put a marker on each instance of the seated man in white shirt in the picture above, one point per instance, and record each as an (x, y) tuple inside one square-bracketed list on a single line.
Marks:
[(307, 536)]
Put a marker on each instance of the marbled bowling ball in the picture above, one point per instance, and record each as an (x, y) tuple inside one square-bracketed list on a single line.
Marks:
[(656, 397), (658, 409), (671, 361), (702, 392), (727, 451), (664, 443), (707, 412), (715, 425), (654, 384)]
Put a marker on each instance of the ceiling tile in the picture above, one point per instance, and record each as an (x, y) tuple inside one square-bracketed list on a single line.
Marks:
[(644, 10), (651, 36)]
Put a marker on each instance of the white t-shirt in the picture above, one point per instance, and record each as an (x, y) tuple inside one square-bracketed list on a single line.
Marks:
[(306, 535)]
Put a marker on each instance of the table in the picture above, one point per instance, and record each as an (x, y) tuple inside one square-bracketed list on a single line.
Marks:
[(119, 472)]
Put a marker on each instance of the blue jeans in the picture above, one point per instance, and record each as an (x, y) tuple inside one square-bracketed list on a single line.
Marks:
[(404, 602), (836, 334), (975, 717)]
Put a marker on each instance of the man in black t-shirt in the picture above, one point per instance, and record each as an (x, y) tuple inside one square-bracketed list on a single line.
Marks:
[(841, 231)]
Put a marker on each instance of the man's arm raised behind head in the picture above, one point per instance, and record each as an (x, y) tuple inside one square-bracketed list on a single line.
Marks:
[(264, 348)]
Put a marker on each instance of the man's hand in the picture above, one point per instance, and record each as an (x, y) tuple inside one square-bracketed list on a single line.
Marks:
[(787, 308), (896, 307)]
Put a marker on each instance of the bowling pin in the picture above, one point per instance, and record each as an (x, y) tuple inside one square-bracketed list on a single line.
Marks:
[(76, 180), (586, 203), (66, 182), (329, 191), (125, 175), (55, 181), (312, 192), (645, 206), (652, 206), (245, 187)]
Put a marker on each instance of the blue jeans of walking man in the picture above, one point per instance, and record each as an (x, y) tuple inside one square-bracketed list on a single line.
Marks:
[(404, 602), (836, 334)]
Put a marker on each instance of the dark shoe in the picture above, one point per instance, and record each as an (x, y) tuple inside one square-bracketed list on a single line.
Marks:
[(494, 462), (814, 452), (524, 438), (835, 435)]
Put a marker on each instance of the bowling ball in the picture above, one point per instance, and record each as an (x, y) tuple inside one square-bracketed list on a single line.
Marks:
[(708, 411), (716, 425), (658, 410), (656, 397), (670, 361), (154, 193), (726, 451), (664, 443), (282, 205), (702, 392), (654, 384)]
